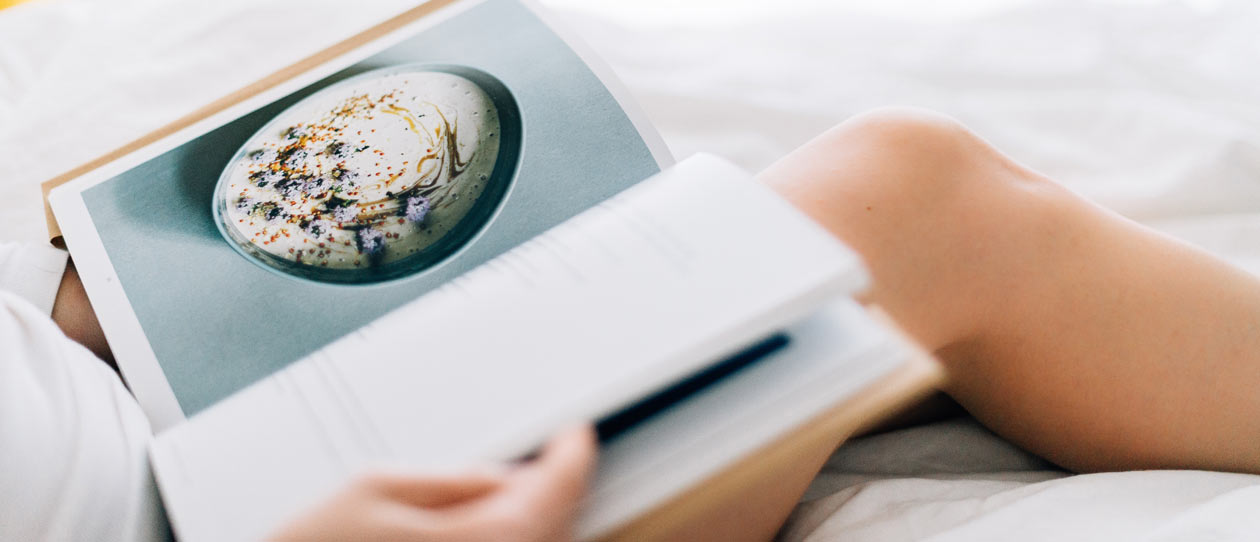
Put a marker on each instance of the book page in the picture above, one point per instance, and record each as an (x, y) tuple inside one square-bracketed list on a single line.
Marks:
[(625, 298)]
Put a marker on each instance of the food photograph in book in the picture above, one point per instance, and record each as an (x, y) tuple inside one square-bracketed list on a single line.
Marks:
[(375, 177)]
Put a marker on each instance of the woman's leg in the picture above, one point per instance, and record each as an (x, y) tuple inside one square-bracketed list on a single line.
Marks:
[(1080, 335)]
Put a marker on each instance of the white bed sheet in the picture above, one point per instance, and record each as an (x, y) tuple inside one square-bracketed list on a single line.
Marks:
[(1148, 107)]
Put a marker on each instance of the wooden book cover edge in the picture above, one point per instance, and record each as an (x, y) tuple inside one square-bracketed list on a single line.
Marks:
[(673, 519), (244, 93)]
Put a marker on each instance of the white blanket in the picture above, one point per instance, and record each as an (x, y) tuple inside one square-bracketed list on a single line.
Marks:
[(1150, 109)]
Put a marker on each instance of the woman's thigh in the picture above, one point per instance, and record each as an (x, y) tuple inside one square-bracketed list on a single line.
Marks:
[(1083, 336)]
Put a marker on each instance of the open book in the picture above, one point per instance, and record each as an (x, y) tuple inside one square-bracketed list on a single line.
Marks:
[(642, 292), (432, 245)]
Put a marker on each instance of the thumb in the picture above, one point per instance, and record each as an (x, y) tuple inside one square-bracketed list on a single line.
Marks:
[(558, 477)]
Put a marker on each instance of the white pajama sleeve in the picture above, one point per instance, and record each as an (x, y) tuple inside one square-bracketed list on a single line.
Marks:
[(73, 442)]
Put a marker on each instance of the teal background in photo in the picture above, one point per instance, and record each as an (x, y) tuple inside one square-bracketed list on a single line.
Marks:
[(217, 322)]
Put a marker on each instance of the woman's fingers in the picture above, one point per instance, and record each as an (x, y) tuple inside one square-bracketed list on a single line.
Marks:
[(535, 502), (540, 498), (429, 491)]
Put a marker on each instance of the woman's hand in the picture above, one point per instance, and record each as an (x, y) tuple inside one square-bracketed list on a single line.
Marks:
[(533, 502)]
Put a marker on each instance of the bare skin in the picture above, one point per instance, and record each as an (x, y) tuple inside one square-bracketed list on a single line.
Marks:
[(534, 502), (1080, 335), (73, 314)]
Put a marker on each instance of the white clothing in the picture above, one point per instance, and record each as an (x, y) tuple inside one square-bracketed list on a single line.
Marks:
[(73, 464)]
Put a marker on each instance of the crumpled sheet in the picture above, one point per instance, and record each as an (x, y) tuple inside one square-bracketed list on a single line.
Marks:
[(1150, 108)]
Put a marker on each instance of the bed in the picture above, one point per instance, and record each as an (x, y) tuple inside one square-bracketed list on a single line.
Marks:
[(1147, 107)]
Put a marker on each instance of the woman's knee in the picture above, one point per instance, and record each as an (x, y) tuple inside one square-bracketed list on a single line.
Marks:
[(891, 168), (934, 210), (917, 153), (900, 130)]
